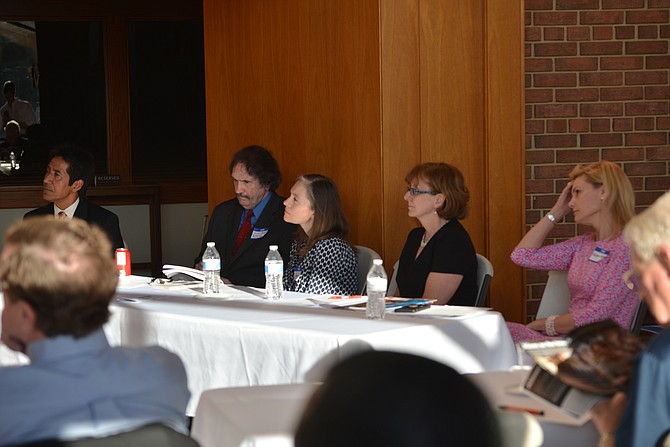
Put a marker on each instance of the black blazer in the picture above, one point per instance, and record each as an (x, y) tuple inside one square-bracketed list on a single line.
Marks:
[(247, 267), (91, 213)]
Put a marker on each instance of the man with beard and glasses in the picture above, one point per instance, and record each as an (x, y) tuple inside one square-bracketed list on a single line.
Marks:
[(243, 228)]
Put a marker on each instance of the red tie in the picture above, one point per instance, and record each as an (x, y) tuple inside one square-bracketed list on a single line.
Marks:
[(245, 229)]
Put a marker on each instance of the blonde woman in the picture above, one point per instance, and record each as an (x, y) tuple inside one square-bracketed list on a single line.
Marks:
[(600, 197)]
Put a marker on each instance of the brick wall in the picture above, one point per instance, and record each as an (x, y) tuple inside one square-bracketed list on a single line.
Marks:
[(597, 87)]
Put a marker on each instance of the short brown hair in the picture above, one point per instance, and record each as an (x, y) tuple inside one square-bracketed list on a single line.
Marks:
[(447, 180), (63, 270), (619, 198)]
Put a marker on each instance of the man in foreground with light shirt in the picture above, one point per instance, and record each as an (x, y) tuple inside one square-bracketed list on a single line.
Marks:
[(57, 281), (66, 180), (641, 417)]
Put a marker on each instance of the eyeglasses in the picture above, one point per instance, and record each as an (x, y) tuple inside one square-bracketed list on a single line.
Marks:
[(631, 279), (415, 192)]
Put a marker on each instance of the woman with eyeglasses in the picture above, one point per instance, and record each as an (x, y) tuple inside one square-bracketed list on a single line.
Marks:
[(600, 198), (438, 261)]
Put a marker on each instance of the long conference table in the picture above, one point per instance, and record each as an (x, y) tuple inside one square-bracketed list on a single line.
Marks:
[(244, 340)]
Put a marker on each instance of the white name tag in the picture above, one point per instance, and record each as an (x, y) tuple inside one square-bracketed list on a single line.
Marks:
[(259, 233), (598, 254)]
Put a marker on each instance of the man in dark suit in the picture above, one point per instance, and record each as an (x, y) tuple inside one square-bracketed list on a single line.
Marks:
[(257, 207), (65, 183)]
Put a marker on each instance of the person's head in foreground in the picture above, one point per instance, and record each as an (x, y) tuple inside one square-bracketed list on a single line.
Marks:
[(391, 399), (648, 235), (57, 279), (602, 197)]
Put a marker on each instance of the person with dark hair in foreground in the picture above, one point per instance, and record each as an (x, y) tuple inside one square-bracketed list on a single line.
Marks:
[(65, 183), (390, 399), (57, 281), (243, 228)]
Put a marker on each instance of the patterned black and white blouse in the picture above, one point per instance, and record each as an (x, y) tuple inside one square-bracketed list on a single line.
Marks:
[(328, 268)]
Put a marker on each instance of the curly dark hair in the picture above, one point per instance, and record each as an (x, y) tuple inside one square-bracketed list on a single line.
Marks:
[(259, 163)]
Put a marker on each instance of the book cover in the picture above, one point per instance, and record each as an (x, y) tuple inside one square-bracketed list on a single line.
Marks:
[(591, 363)]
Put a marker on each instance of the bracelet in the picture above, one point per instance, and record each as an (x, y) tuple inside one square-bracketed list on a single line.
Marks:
[(604, 437), (551, 217), (549, 328)]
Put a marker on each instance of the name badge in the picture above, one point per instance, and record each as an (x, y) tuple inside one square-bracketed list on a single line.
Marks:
[(598, 254), (296, 273), (259, 233)]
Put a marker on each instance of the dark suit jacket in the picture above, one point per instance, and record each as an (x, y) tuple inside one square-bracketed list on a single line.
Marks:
[(247, 267), (91, 213)]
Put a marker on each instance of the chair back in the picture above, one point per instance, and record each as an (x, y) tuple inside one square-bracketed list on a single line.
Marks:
[(364, 257), (640, 313), (149, 435), (556, 296), (520, 430), (393, 284), (484, 276)]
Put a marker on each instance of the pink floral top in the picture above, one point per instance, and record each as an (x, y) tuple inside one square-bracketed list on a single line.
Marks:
[(597, 291)]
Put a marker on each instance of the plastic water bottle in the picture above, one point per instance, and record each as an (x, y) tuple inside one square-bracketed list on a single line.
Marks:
[(211, 265), (376, 289), (274, 274)]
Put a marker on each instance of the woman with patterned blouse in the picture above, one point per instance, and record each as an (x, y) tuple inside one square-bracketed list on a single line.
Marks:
[(321, 260), (601, 198)]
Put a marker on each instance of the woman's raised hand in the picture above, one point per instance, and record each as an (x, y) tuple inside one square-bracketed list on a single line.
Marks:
[(561, 208)]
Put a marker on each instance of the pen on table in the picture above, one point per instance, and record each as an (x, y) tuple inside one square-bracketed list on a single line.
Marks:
[(533, 411)]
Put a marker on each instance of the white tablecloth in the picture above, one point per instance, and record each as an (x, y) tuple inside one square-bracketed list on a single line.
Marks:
[(267, 416), (259, 416), (249, 341), (499, 387)]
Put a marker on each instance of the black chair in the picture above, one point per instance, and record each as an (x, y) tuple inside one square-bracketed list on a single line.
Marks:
[(153, 435)]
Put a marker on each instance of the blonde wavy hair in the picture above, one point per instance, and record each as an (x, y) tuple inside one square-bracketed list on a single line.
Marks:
[(619, 197)]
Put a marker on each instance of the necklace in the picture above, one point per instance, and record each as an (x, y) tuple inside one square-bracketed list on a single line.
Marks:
[(424, 242)]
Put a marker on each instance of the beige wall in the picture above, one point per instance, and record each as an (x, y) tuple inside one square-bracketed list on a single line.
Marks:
[(361, 90)]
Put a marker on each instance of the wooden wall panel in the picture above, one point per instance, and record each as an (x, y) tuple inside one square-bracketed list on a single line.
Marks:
[(119, 161), (364, 90), (301, 78), (505, 152), (401, 112), (452, 97)]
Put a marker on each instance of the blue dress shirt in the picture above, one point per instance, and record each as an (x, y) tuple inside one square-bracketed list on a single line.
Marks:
[(258, 210), (76, 388)]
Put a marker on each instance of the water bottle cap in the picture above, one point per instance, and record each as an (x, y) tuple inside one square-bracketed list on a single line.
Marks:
[(210, 244), (377, 261), (274, 247)]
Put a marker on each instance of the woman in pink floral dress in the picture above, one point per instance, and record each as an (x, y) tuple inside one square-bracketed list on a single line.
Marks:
[(601, 198)]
